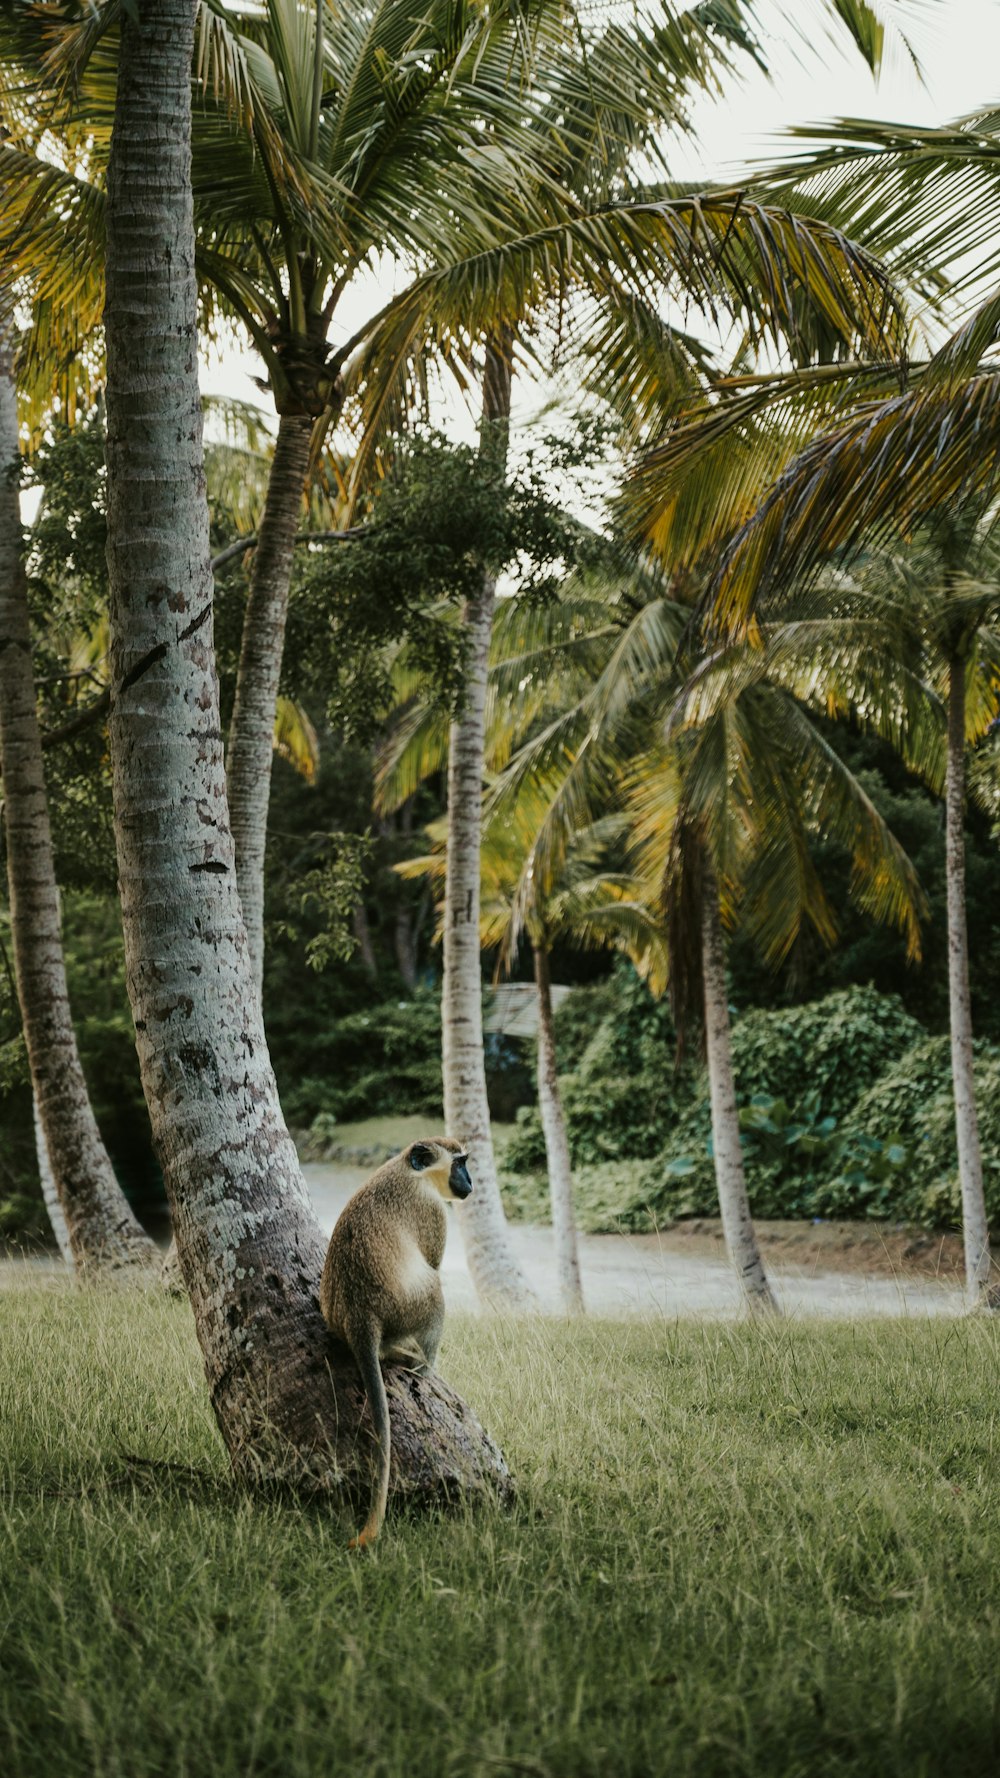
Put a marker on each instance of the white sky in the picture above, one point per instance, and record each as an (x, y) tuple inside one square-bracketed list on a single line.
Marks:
[(816, 77)]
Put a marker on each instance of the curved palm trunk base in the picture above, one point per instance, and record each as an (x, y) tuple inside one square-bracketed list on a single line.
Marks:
[(324, 1440), (734, 1204)]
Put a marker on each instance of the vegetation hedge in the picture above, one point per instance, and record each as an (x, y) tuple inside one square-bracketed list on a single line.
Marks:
[(845, 1104)]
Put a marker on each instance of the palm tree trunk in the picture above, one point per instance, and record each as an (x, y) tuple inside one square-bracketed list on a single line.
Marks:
[(975, 1228), (495, 1270), (556, 1142), (288, 1402), (103, 1233), (251, 732), (50, 1191), (734, 1205)]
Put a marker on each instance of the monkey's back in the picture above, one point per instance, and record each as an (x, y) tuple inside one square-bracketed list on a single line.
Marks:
[(382, 1262)]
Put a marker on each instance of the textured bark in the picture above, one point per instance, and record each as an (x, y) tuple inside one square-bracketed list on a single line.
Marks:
[(556, 1142), (495, 1270), (975, 1229), (251, 732), (734, 1205), (288, 1403), (103, 1233), (50, 1191)]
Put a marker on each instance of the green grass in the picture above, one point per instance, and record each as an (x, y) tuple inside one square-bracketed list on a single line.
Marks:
[(737, 1550)]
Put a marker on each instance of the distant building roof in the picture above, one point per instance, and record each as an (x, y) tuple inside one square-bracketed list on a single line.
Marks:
[(513, 1008)]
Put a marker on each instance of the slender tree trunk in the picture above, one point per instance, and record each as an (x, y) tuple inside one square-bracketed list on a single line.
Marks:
[(495, 1270), (975, 1229), (363, 937), (104, 1235), (251, 732), (406, 950), (734, 1205), (288, 1401), (50, 1191), (403, 931), (556, 1142)]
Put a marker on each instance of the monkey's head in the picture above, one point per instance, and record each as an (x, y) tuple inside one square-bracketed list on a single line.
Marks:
[(443, 1163)]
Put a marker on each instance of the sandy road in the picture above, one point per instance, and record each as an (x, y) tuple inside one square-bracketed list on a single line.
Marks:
[(653, 1275), (662, 1275)]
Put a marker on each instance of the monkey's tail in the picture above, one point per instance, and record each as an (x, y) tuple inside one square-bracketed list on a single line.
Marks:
[(366, 1354)]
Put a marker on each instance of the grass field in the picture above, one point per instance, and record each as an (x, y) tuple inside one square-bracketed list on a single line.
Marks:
[(737, 1550)]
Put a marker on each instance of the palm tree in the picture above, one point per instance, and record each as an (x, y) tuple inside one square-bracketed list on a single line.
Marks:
[(829, 456), (941, 595), (723, 803), (495, 1269), (102, 1231), (590, 906), (249, 1247)]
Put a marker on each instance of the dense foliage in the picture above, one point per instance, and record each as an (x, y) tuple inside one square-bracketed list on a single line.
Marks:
[(842, 1070), (845, 1107)]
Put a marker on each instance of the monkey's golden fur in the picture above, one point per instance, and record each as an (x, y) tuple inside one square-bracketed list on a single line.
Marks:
[(381, 1291)]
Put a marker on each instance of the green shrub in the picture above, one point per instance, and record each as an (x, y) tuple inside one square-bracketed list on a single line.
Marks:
[(913, 1101), (607, 1197), (845, 1108), (834, 1047), (386, 1058)]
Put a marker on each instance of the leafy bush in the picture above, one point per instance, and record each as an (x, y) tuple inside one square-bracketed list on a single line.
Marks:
[(914, 1100), (845, 1108), (832, 1047), (621, 1089), (385, 1058), (607, 1197), (23, 1218)]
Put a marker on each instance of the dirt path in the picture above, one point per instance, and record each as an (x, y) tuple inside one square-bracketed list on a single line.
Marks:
[(832, 1269), (818, 1269)]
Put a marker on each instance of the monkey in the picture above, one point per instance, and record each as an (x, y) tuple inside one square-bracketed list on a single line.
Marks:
[(380, 1292)]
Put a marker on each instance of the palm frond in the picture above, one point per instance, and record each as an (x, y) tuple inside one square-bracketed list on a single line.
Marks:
[(882, 471), (921, 198), (295, 738)]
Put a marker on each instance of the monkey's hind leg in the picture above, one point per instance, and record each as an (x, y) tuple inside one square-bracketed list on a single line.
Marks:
[(429, 1337)]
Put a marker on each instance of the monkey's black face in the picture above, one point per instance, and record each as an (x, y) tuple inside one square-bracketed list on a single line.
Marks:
[(458, 1178)]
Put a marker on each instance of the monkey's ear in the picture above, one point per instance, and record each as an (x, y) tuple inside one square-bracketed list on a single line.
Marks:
[(421, 1157)]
